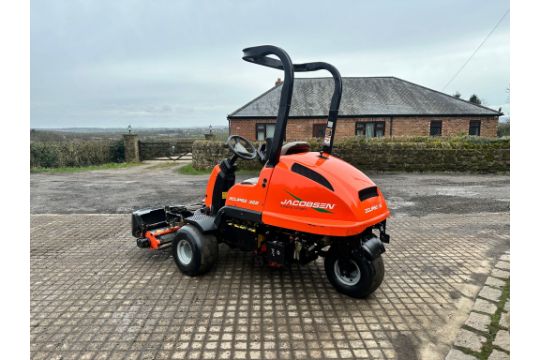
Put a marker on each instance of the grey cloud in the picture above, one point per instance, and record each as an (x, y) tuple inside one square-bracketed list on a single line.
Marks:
[(178, 63)]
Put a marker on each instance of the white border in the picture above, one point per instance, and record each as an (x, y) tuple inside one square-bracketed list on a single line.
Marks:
[(15, 207), (15, 111), (525, 180)]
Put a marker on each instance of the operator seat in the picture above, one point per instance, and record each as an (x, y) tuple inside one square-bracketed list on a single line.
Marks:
[(251, 181), (295, 147)]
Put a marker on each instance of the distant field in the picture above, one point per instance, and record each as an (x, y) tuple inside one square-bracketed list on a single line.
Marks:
[(46, 135)]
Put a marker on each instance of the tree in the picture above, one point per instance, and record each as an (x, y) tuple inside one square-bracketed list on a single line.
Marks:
[(503, 129), (475, 99), (457, 95)]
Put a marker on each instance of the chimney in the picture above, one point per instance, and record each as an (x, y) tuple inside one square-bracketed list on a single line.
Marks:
[(279, 82)]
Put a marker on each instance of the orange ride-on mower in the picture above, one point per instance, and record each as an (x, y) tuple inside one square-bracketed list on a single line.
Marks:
[(303, 205)]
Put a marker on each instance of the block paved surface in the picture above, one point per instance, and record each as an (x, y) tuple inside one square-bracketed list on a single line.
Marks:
[(486, 332), (95, 295)]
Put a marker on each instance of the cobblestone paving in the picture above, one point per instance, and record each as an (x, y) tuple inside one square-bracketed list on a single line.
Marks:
[(486, 332), (95, 295)]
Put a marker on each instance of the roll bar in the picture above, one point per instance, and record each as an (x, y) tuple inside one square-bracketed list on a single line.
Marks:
[(260, 55)]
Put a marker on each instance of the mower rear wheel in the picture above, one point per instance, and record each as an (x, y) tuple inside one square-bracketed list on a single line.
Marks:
[(353, 274), (194, 252)]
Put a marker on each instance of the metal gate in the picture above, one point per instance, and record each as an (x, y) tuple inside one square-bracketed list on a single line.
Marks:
[(165, 150)]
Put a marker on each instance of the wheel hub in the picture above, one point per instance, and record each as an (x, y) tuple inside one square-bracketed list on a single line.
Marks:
[(184, 252), (347, 271)]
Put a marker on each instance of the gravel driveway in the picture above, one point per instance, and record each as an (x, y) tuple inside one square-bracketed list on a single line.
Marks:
[(122, 190)]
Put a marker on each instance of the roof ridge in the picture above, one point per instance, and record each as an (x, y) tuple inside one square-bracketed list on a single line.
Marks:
[(348, 77)]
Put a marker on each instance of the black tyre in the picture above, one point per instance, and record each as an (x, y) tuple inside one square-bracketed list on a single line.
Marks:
[(353, 274), (193, 251)]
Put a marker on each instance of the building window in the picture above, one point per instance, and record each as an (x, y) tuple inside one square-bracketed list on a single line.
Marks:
[(264, 131), (435, 128), (474, 127), (370, 129), (318, 130)]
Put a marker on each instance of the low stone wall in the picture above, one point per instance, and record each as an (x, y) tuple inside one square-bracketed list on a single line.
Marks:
[(419, 154), (206, 154), (459, 154)]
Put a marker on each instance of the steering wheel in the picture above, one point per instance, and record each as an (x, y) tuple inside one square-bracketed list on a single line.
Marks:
[(241, 147)]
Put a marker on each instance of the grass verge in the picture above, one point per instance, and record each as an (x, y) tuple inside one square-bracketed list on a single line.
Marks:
[(494, 326), (75, 169), (487, 347), (188, 169)]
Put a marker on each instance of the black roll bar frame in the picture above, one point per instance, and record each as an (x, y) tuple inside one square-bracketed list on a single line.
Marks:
[(260, 55)]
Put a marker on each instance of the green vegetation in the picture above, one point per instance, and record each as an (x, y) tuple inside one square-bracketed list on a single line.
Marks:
[(81, 147), (453, 142), (503, 129), (488, 347), (77, 153), (420, 153), (475, 99), (190, 170), (74, 169)]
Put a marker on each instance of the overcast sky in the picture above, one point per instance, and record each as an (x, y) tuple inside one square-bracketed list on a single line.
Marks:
[(178, 63)]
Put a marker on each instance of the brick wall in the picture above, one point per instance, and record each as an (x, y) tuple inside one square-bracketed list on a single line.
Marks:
[(301, 129), (451, 126)]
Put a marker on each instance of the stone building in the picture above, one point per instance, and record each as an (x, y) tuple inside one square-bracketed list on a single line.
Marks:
[(370, 106)]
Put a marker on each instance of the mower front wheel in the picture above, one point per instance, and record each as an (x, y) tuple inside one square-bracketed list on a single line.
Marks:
[(194, 251), (354, 274)]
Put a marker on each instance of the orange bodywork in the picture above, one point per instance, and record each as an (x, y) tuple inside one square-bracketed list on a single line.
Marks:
[(293, 201), (210, 186), (251, 197), (153, 236)]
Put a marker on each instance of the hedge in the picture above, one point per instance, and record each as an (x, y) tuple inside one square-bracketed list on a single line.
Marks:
[(75, 153), (461, 154)]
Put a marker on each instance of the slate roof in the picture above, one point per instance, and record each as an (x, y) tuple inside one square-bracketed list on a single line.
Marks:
[(362, 96)]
